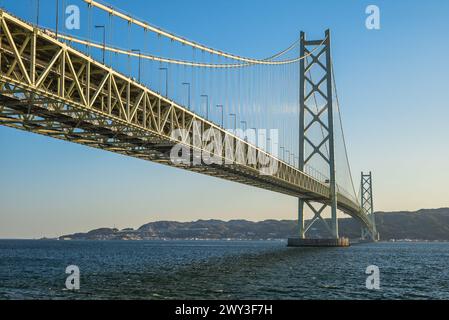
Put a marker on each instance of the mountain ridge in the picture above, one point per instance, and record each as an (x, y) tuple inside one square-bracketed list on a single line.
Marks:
[(423, 224)]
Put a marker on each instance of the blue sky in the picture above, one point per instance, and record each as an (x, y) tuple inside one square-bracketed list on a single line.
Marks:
[(392, 85)]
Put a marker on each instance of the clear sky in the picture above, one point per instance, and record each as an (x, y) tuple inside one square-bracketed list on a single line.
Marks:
[(392, 83)]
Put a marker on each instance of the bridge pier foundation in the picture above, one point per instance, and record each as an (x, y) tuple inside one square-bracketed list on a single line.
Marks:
[(298, 242)]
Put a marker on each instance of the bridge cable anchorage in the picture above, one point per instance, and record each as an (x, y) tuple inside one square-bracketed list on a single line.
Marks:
[(146, 26)]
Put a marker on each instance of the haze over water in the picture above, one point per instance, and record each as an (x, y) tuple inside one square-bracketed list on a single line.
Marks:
[(220, 270)]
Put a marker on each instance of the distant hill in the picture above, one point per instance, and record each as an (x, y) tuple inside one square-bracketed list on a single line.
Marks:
[(425, 224)]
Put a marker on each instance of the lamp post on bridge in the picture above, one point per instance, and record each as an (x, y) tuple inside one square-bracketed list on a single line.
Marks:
[(235, 121), (222, 114), (37, 12), (104, 38), (244, 130), (140, 60), (269, 145), (255, 137), (283, 152), (187, 84), (166, 80), (207, 105), (57, 19), (262, 141)]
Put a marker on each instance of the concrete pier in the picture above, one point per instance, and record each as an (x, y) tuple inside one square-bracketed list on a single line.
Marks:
[(298, 242)]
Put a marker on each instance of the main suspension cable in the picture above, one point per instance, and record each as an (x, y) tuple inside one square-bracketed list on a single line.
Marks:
[(97, 45), (109, 9)]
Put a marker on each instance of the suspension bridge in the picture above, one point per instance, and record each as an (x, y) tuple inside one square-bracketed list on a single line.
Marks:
[(272, 123)]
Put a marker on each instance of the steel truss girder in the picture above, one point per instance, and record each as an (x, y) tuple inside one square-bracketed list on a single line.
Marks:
[(48, 87)]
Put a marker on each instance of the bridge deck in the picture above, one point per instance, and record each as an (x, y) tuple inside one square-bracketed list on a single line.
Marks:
[(49, 88)]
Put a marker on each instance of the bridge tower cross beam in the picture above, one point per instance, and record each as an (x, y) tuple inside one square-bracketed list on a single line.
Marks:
[(313, 50), (366, 203)]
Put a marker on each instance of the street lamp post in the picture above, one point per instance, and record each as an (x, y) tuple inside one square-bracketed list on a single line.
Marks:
[(166, 80), (255, 137), (140, 58), (235, 121), (244, 130), (188, 92), (222, 114), (207, 105), (269, 145), (283, 152), (262, 143), (57, 18), (37, 12), (104, 38)]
